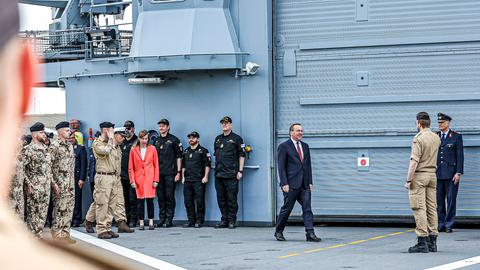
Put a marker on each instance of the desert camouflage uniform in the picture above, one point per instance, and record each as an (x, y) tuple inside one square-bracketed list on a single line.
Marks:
[(16, 195), (37, 166), (63, 167)]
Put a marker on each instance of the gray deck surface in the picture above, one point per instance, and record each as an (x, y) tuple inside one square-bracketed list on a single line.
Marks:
[(256, 248)]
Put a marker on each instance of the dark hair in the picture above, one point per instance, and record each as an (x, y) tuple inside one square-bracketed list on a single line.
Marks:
[(142, 134), (423, 119), (293, 125)]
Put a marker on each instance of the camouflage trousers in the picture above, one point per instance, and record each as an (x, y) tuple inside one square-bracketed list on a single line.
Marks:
[(63, 211), (37, 208), (16, 199), (423, 202), (108, 203)]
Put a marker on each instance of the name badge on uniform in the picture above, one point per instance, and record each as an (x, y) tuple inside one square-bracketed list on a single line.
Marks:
[(191, 155), (161, 146), (221, 146)]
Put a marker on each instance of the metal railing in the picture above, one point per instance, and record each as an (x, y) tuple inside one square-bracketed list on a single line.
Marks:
[(63, 45)]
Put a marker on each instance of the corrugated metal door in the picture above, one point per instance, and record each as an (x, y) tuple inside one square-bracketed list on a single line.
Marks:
[(355, 73)]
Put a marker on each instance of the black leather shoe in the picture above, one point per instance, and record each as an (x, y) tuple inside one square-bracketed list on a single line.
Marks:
[(311, 237), (221, 225), (188, 225), (441, 229), (160, 223), (168, 224), (279, 236), (448, 230)]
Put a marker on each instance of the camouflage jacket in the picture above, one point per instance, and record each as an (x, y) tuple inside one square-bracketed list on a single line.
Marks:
[(63, 162), (37, 164)]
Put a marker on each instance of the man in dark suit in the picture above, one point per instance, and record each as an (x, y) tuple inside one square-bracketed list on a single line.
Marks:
[(80, 177), (295, 173), (449, 171)]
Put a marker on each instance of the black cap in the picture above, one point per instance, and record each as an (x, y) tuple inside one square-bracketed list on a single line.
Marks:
[(63, 124), (164, 121), (193, 134), (423, 116), (443, 117), (226, 119), (37, 127), (106, 125), (129, 124)]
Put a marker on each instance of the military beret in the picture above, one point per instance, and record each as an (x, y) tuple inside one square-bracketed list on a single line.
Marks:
[(193, 134), (444, 117), (37, 127), (164, 121), (106, 125), (423, 116), (63, 124), (129, 124), (226, 119)]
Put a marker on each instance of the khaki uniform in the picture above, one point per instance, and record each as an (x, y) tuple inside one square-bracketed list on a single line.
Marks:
[(105, 195), (63, 167), (37, 166), (423, 190), (16, 194), (119, 209)]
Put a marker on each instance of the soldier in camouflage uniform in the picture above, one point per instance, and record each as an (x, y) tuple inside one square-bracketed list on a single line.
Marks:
[(63, 167), (16, 194), (37, 166)]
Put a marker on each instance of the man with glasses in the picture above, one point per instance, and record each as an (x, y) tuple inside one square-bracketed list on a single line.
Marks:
[(449, 171), (295, 174), (129, 194), (229, 161)]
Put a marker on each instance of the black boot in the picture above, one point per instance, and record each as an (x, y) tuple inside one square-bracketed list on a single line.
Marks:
[(432, 243), (420, 247)]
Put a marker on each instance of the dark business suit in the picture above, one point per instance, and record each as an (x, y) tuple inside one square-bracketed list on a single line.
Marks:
[(297, 174), (449, 162), (80, 174)]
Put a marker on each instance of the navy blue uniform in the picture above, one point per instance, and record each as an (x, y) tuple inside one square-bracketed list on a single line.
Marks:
[(195, 161), (129, 194), (169, 149), (91, 170), (80, 174), (228, 150), (449, 163)]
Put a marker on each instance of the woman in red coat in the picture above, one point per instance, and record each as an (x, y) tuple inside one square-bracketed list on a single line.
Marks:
[(143, 170)]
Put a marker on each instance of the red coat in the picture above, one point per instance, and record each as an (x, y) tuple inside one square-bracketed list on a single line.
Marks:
[(144, 172)]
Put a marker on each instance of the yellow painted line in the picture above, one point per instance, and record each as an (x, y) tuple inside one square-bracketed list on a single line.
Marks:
[(343, 245), (314, 250), (289, 255), (336, 246), (357, 242), (397, 233), (377, 237)]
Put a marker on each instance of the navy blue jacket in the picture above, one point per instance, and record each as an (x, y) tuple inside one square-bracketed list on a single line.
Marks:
[(80, 162), (291, 170), (91, 166), (450, 156)]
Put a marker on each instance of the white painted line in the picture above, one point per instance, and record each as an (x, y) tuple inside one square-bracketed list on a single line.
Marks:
[(457, 264), (125, 252)]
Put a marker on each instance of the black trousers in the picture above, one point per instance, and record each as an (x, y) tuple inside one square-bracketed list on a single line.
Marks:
[(141, 208), (304, 197), (130, 198), (77, 209), (227, 191), (194, 194), (92, 187), (166, 197)]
